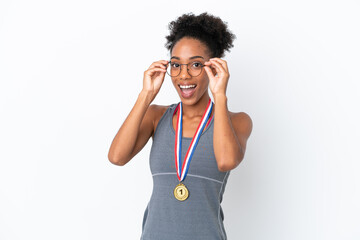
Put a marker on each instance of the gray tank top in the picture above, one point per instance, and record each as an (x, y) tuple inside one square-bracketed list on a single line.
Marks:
[(200, 216)]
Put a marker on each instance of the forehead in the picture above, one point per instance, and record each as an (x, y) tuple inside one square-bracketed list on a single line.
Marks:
[(189, 47)]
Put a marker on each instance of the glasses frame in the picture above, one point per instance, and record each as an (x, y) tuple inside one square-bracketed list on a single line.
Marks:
[(187, 68)]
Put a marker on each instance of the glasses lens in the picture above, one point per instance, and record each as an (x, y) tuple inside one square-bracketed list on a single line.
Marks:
[(195, 68), (173, 69)]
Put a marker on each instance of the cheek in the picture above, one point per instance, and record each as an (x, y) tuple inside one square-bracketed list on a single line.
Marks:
[(204, 83), (205, 78)]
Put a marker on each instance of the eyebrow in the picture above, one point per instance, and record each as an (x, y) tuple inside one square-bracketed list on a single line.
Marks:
[(189, 58)]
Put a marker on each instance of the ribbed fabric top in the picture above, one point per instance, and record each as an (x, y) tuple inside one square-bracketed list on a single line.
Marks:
[(200, 216)]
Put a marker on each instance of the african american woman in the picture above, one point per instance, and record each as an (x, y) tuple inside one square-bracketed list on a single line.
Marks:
[(186, 198)]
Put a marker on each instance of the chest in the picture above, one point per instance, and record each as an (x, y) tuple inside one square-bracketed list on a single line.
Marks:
[(203, 162), (189, 126)]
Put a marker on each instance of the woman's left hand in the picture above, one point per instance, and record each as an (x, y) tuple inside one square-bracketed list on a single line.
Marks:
[(217, 83)]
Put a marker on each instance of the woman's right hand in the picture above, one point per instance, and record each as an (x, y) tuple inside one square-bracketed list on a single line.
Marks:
[(154, 77)]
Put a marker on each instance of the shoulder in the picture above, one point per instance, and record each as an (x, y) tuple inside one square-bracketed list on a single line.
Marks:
[(157, 111), (240, 116), (242, 123)]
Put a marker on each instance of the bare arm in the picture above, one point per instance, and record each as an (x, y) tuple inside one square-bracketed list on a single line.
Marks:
[(134, 132), (230, 132), (230, 136), (138, 127)]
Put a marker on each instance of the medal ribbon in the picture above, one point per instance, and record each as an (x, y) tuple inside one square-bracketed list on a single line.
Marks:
[(178, 136)]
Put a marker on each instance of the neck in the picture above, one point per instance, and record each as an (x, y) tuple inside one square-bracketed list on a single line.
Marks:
[(197, 109)]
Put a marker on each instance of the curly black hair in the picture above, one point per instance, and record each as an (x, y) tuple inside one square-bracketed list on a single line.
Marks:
[(206, 28)]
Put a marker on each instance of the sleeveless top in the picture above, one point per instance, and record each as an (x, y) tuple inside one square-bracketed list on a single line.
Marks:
[(200, 216)]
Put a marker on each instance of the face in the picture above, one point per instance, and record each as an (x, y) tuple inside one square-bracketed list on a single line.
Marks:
[(189, 50)]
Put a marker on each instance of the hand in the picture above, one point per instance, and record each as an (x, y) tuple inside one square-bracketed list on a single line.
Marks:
[(217, 83), (154, 77)]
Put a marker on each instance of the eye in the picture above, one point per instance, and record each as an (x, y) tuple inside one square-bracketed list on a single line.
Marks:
[(196, 64), (174, 65)]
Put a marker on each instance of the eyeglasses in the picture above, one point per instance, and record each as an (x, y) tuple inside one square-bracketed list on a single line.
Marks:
[(195, 69)]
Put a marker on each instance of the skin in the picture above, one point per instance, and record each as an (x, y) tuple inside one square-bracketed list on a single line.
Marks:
[(231, 130)]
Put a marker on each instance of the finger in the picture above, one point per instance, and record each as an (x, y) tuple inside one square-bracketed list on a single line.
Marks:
[(210, 64), (218, 66), (212, 67), (163, 62), (161, 65), (152, 71), (208, 71), (155, 69), (222, 62)]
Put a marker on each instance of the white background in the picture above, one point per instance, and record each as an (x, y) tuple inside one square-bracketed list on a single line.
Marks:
[(71, 71)]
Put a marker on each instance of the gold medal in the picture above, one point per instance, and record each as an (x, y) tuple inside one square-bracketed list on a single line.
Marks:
[(181, 193)]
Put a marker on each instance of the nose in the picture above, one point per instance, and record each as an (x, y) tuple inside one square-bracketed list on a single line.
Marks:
[(184, 73)]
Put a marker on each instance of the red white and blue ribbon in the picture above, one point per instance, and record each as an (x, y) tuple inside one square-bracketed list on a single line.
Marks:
[(178, 136)]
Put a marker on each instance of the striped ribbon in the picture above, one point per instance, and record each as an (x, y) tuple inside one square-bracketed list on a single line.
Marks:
[(178, 136)]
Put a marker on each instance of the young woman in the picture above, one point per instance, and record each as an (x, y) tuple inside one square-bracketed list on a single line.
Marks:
[(186, 198)]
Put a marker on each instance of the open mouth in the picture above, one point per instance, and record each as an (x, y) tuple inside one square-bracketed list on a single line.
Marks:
[(187, 90)]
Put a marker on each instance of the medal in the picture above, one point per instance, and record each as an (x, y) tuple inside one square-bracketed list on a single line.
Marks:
[(181, 193)]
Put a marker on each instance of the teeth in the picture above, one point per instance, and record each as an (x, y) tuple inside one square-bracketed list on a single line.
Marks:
[(187, 86)]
